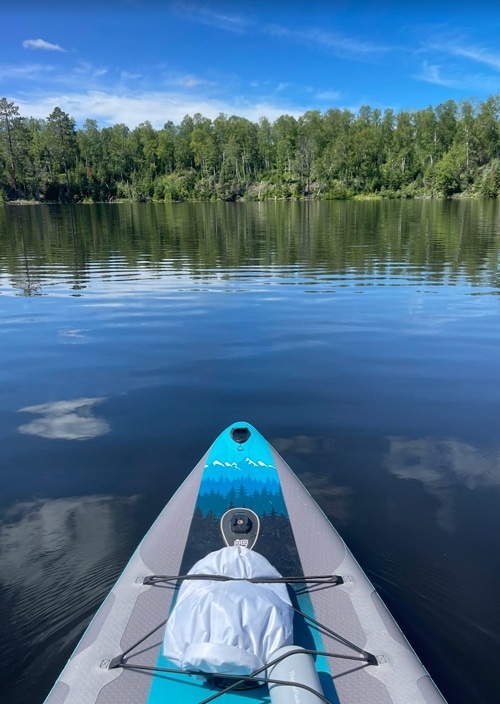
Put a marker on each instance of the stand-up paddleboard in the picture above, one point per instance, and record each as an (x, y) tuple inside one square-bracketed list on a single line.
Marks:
[(242, 497)]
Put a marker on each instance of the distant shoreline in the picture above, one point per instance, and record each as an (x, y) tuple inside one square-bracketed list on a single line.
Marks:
[(310, 199), (451, 151)]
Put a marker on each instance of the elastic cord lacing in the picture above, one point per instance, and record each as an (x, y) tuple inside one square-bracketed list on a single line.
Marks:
[(317, 582)]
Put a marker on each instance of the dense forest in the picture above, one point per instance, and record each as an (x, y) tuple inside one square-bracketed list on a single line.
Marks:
[(449, 150)]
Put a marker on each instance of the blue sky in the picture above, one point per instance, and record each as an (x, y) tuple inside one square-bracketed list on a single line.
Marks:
[(135, 60)]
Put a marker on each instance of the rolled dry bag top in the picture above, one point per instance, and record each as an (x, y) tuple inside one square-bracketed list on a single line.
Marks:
[(229, 627)]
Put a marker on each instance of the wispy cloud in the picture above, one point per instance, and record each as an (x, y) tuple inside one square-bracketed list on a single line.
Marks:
[(431, 73), (84, 73), (328, 95), (87, 70), (194, 82), (453, 45), (41, 44), (453, 77), (337, 43), (456, 61), (477, 54), (128, 76), (29, 72), (220, 20)]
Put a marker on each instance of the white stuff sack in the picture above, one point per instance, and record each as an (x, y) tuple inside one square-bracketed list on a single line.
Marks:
[(229, 626)]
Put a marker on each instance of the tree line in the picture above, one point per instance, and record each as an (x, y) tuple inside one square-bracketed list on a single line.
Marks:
[(448, 150)]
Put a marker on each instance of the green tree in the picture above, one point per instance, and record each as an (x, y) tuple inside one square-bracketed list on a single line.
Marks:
[(285, 134), (203, 145), (184, 157), (266, 146), (36, 157), (444, 150), (62, 145), (446, 126), (488, 129), (310, 145), (450, 169), (9, 140), (364, 143), (335, 162), (90, 171), (118, 158), (166, 148)]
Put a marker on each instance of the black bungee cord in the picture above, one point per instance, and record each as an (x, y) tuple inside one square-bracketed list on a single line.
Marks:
[(315, 581)]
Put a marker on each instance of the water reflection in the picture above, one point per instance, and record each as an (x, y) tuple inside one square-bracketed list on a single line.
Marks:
[(304, 444), (130, 316), (65, 420), (76, 533), (58, 558), (73, 336), (441, 465), (304, 450), (333, 499), (372, 242)]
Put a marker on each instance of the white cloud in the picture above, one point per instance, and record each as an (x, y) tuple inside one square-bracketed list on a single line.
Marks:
[(157, 107), (41, 44)]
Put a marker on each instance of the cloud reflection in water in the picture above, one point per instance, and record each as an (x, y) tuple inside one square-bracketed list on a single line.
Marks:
[(58, 558), (65, 420), (440, 465), (333, 498)]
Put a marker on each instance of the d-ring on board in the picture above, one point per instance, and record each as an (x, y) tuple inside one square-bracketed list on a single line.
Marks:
[(240, 526)]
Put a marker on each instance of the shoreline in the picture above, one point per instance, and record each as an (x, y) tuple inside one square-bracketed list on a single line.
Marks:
[(359, 197)]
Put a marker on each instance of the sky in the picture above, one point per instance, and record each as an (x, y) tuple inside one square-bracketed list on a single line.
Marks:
[(128, 61)]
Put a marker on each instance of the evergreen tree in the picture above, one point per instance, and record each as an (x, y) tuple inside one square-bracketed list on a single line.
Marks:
[(62, 146), (9, 140)]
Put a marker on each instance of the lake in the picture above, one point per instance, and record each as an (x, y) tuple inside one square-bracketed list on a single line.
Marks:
[(361, 338)]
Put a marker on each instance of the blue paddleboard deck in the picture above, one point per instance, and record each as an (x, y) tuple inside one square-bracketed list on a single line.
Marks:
[(242, 470)]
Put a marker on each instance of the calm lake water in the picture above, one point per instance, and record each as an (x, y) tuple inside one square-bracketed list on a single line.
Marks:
[(362, 339)]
